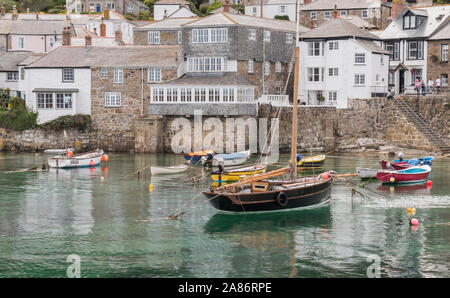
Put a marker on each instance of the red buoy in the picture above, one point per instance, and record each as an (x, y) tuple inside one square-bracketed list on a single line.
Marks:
[(92, 163), (414, 222), (429, 183)]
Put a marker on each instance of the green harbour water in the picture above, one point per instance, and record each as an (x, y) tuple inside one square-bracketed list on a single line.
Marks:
[(47, 216)]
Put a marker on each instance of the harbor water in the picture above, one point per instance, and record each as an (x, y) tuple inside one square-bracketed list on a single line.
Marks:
[(117, 225)]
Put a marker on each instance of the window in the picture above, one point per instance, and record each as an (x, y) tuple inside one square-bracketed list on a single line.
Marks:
[(45, 101), (334, 45), (130, 9), (12, 76), (52, 42), (364, 14), (154, 75), (343, 13), (360, 79), (409, 22), (206, 64), (360, 58), (282, 9), (289, 38), (415, 50), (315, 48), (394, 50), (214, 95), (416, 74), (185, 95), (228, 94), (250, 65), (118, 75), (332, 95), (172, 95), (112, 99), (444, 79), (67, 75), (326, 15), (382, 59), (277, 90), (21, 42), (104, 72), (153, 37), (157, 94), (267, 68), (444, 52), (265, 90), (313, 15), (210, 35), (22, 73), (377, 78), (266, 35), (278, 67), (333, 72), (315, 74), (180, 37), (254, 10), (64, 100), (252, 34)]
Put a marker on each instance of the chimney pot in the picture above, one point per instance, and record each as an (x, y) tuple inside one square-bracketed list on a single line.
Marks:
[(66, 36), (3, 12), (88, 40)]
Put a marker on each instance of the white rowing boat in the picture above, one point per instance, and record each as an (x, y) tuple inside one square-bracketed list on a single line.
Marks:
[(89, 159), (227, 159), (365, 173), (169, 170), (58, 151)]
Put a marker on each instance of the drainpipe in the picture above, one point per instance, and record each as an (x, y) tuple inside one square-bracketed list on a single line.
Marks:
[(142, 90)]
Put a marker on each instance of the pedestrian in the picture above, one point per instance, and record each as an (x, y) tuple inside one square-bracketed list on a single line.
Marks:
[(430, 86), (389, 94), (417, 86), (422, 85), (438, 85)]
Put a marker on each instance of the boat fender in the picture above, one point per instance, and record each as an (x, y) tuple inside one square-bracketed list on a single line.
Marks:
[(282, 199), (392, 179)]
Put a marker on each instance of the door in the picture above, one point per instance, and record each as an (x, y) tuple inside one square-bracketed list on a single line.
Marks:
[(401, 82), (98, 7)]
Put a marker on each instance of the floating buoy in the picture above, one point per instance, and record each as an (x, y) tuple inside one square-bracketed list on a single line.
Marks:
[(325, 175), (102, 178), (92, 163), (105, 158), (414, 222), (413, 211), (408, 210), (392, 179), (429, 183), (150, 187)]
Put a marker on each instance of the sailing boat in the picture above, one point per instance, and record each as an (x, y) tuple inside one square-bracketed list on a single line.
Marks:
[(260, 193)]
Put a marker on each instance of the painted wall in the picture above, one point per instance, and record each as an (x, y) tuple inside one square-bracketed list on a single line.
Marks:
[(271, 10), (52, 78), (36, 43), (13, 86)]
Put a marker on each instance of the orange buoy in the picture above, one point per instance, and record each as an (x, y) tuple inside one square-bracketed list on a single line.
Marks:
[(105, 158), (325, 175), (92, 163)]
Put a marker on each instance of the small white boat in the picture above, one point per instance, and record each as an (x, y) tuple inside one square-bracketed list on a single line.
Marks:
[(169, 170), (58, 151), (365, 173), (90, 159), (228, 159)]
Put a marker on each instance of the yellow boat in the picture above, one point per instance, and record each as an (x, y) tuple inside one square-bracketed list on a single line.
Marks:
[(310, 163), (238, 173)]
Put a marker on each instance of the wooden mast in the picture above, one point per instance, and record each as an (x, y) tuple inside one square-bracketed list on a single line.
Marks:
[(295, 100)]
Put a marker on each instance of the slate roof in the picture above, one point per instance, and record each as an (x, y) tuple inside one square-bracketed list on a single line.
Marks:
[(371, 46), (123, 56), (338, 28), (169, 23), (168, 2), (222, 78), (341, 4), (443, 32), (9, 60), (32, 27), (395, 29)]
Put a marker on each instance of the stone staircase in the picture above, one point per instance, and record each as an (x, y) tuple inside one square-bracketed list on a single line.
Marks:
[(421, 125)]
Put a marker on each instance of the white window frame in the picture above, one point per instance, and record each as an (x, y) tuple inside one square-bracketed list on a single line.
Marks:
[(210, 35), (47, 103), (180, 37), (342, 13), (104, 72), (250, 66), (277, 66), (266, 68), (154, 37), (118, 75), (12, 76), (251, 34), (289, 38), (313, 15), (315, 74), (333, 71), (444, 52), (360, 79), (360, 58), (21, 42), (67, 103), (332, 96), (113, 99), (364, 14), (154, 75), (267, 36), (327, 15), (282, 8), (333, 46), (444, 80), (313, 46), (68, 75)]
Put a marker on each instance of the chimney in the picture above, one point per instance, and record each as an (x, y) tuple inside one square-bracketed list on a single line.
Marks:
[(335, 12), (165, 14), (88, 40), (102, 29), (37, 16), (106, 14), (311, 24), (397, 8), (3, 10), (118, 36), (226, 6), (14, 15), (95, 31), (306, 2), (28, 10), (66, 36)]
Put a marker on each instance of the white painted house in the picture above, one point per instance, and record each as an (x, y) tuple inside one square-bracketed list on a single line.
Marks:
[(113, 21), (165, 8), (339, 61), (406, 41), (9, 71), (58, 84), (272, 8)]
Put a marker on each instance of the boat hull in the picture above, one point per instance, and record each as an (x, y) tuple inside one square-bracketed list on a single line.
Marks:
[(85, 160), (410, 175), (385, 165), (236, 176), (366, 173), (311, 163), (168, 170), (300, 197)]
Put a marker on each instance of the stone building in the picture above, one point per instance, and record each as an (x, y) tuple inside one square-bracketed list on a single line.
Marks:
[(437, 55), (375, 12), (112, 84), (407, 41), (165, 32), (121, 6)]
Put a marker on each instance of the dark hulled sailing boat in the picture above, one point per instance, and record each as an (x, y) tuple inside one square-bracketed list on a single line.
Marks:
[(262, 193)]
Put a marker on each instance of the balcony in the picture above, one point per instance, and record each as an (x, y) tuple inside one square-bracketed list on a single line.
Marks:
[(378, 91), (275, 100)]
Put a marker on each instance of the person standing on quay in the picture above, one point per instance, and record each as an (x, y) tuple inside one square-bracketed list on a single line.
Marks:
[(422, 85), (430, 86), (438, 85), (417, 86)]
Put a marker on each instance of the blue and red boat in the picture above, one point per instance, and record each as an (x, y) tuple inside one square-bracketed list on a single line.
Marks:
[(413, 174)]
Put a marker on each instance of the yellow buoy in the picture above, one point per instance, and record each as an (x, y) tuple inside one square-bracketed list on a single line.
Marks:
[(150, 187)]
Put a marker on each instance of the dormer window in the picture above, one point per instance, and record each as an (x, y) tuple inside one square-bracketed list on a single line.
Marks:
[(411, 21)]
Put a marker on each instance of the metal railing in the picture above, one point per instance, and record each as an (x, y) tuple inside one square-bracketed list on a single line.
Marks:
[(275, 100)]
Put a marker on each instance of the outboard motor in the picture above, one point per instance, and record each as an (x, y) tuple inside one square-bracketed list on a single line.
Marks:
[(207, 162), (400, 156)]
